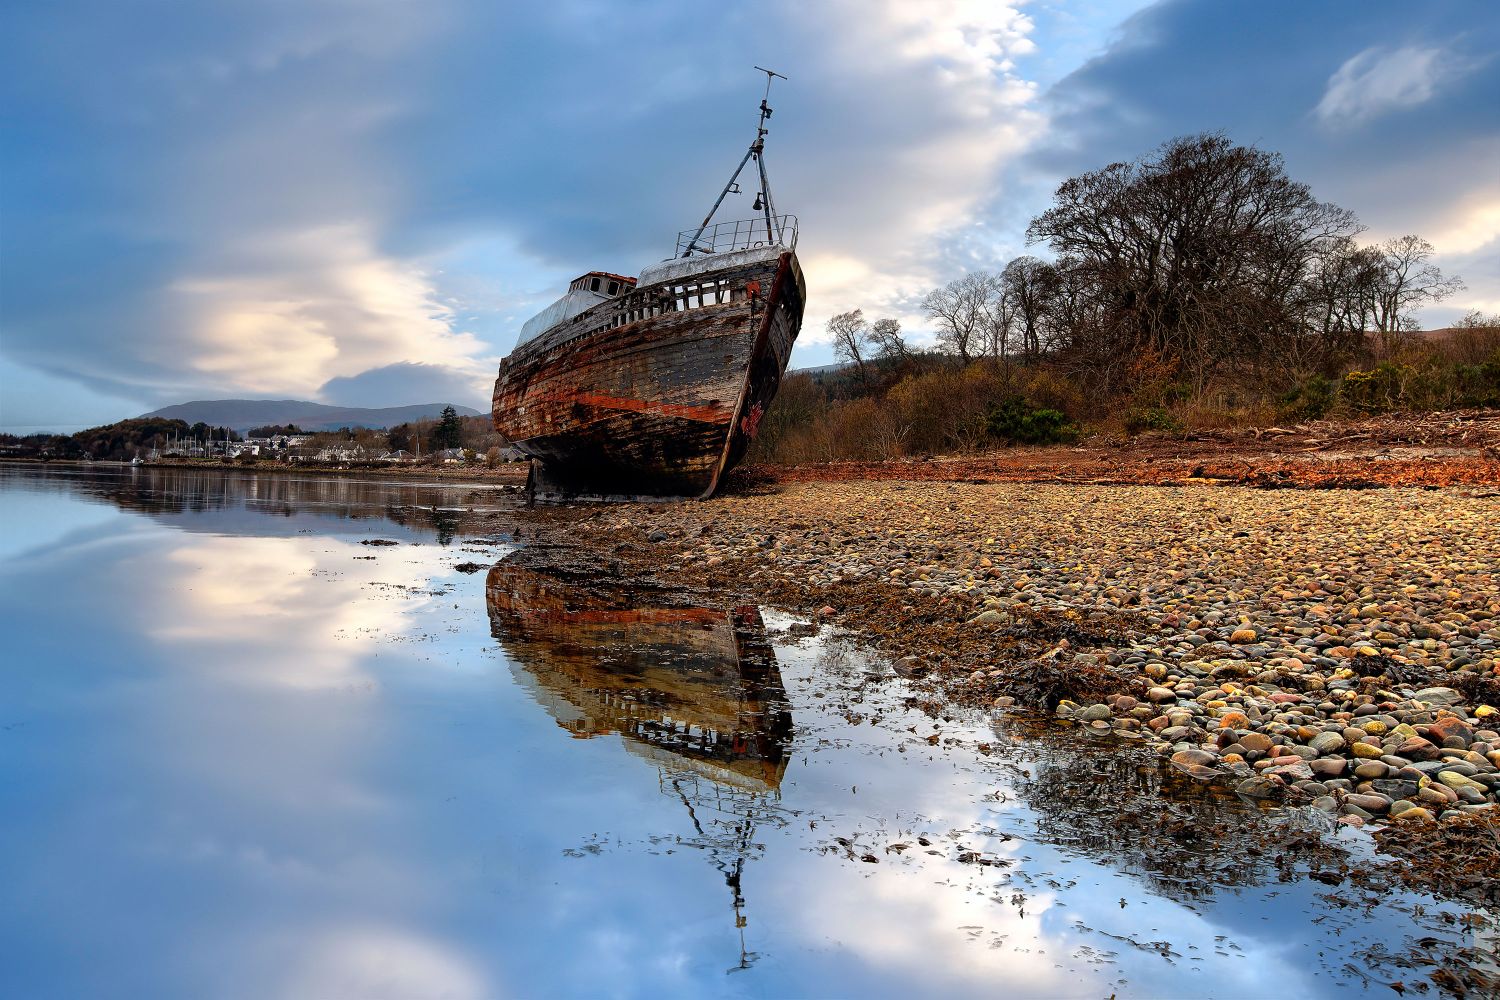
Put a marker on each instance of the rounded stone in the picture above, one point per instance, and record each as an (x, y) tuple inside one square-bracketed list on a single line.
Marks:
[(1258, 787), (1325, 743), (1256, 742), (1328, 767), (1369, 802), (1414, 813)]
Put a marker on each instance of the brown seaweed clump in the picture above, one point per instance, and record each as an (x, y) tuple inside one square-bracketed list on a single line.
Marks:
[(1458, 857)]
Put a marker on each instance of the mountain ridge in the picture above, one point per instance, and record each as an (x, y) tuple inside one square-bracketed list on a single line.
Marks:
[(243, 414)]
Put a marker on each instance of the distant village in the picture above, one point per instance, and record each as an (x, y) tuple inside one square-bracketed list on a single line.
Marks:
[(317, 448), (450, 440)]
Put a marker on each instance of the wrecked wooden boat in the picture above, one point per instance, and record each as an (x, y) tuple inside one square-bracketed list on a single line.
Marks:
[(655, 385)]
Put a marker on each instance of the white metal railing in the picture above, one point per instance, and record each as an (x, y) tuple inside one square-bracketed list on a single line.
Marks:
[(743, 234)]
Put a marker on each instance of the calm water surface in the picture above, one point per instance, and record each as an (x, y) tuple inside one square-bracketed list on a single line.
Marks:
[(244, 754)]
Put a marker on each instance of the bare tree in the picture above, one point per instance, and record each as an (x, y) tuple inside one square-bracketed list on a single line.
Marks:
[(885, 334), (1336, 296), (851, 338), (963, 311), (1030, 285), (1475, 339), (1000, 321), (1407, 280)]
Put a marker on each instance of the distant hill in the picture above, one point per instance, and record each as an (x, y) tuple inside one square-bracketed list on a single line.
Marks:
[(242, 414), (821, 369)]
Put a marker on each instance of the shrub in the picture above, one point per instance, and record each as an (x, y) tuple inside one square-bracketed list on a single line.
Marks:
[(1478, 385), (1374, 391), (1224, 411), (1050, 390), (945, 411), (1426, 385), (1310, 400), (1474, 341), (1018, 421), (1151, 418)]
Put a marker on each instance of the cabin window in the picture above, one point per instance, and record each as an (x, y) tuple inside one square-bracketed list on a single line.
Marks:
[(614, 286), (594, 285)]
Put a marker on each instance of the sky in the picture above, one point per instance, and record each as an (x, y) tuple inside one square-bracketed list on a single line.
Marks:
[(361, 201)]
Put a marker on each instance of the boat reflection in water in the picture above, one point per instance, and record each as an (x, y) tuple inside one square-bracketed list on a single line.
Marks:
[(694, 690)]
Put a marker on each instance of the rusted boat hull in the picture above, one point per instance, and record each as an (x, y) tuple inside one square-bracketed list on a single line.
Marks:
[(658, 392)]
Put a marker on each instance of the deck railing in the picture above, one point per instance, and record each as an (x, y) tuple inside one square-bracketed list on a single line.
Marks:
[(744, 234)]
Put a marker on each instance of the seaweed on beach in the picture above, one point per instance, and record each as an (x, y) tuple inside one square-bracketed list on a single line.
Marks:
[(1043, 683), (1459, 857)]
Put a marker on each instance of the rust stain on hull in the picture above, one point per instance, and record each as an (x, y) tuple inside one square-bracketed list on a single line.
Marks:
[(652, 394), (712, 414)]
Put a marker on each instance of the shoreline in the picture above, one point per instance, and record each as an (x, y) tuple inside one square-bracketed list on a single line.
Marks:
[(509, 475), (1339, 650), (1455, 448)]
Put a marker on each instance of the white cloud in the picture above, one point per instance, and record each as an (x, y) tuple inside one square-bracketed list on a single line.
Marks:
[(1379, 80), (293, 310), (937, 107), (1471, 224)]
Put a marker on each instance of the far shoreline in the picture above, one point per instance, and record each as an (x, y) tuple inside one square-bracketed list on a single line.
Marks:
[(510, 474)]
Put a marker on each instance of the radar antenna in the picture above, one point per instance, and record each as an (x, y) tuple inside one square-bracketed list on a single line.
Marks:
[(756, 152)]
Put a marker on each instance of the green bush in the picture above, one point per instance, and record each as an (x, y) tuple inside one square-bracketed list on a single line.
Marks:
[(1176, 392), (1018, 421), (1379, 390), (1478, 385), (1310, 400), (1431, 383), (1151, 418)]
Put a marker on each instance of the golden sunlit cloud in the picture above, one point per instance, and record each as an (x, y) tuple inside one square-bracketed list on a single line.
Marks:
[(314, 305)]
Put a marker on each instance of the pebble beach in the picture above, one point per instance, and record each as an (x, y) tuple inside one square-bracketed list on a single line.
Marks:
[(1332, 648)]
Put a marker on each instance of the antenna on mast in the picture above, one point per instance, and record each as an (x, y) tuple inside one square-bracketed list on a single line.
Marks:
[(765, 110), (756, 151), (773, 234)]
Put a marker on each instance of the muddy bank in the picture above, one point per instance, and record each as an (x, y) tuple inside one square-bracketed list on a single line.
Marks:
[(1338, 649), (1430, 450)]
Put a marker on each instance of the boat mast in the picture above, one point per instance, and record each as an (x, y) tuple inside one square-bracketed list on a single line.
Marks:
[(757, 153)]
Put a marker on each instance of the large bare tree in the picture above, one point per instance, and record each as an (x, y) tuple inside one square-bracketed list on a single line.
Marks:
[(963, 310), (1196, 253), (1030, 285), (1406, 279), (851, 338), (885, 334)]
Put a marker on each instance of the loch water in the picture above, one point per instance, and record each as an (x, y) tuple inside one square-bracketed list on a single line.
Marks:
[(270, 735)]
